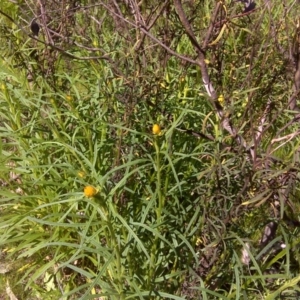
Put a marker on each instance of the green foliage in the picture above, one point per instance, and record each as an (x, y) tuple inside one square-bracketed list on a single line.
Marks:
[(173, 212)]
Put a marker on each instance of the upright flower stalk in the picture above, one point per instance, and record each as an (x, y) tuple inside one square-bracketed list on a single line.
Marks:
[(159, 208), (156, 131)]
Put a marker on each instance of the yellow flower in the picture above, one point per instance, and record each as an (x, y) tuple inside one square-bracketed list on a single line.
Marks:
[(69, 98), (90, 191), (221, 100), (198, 241), (156, 129)]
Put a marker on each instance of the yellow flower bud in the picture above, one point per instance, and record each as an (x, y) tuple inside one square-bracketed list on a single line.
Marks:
[(156, 129), (69, 98), (81, 174), (221, 100), (90, 191)]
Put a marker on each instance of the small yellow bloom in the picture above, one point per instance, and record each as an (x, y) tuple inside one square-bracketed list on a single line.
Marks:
[(221, 100), (156, 129), (81, 174), (90, 191), (198, 241), (69, 98)]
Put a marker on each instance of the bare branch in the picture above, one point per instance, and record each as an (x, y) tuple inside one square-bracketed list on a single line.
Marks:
[(211, 26), (151, 23), (187, 26), (185, 58), (262, 122)]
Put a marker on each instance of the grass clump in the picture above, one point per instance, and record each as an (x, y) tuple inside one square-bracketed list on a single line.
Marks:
[(121, 178)]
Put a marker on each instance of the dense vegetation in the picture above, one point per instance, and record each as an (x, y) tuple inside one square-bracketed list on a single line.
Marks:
[(149, 149)]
